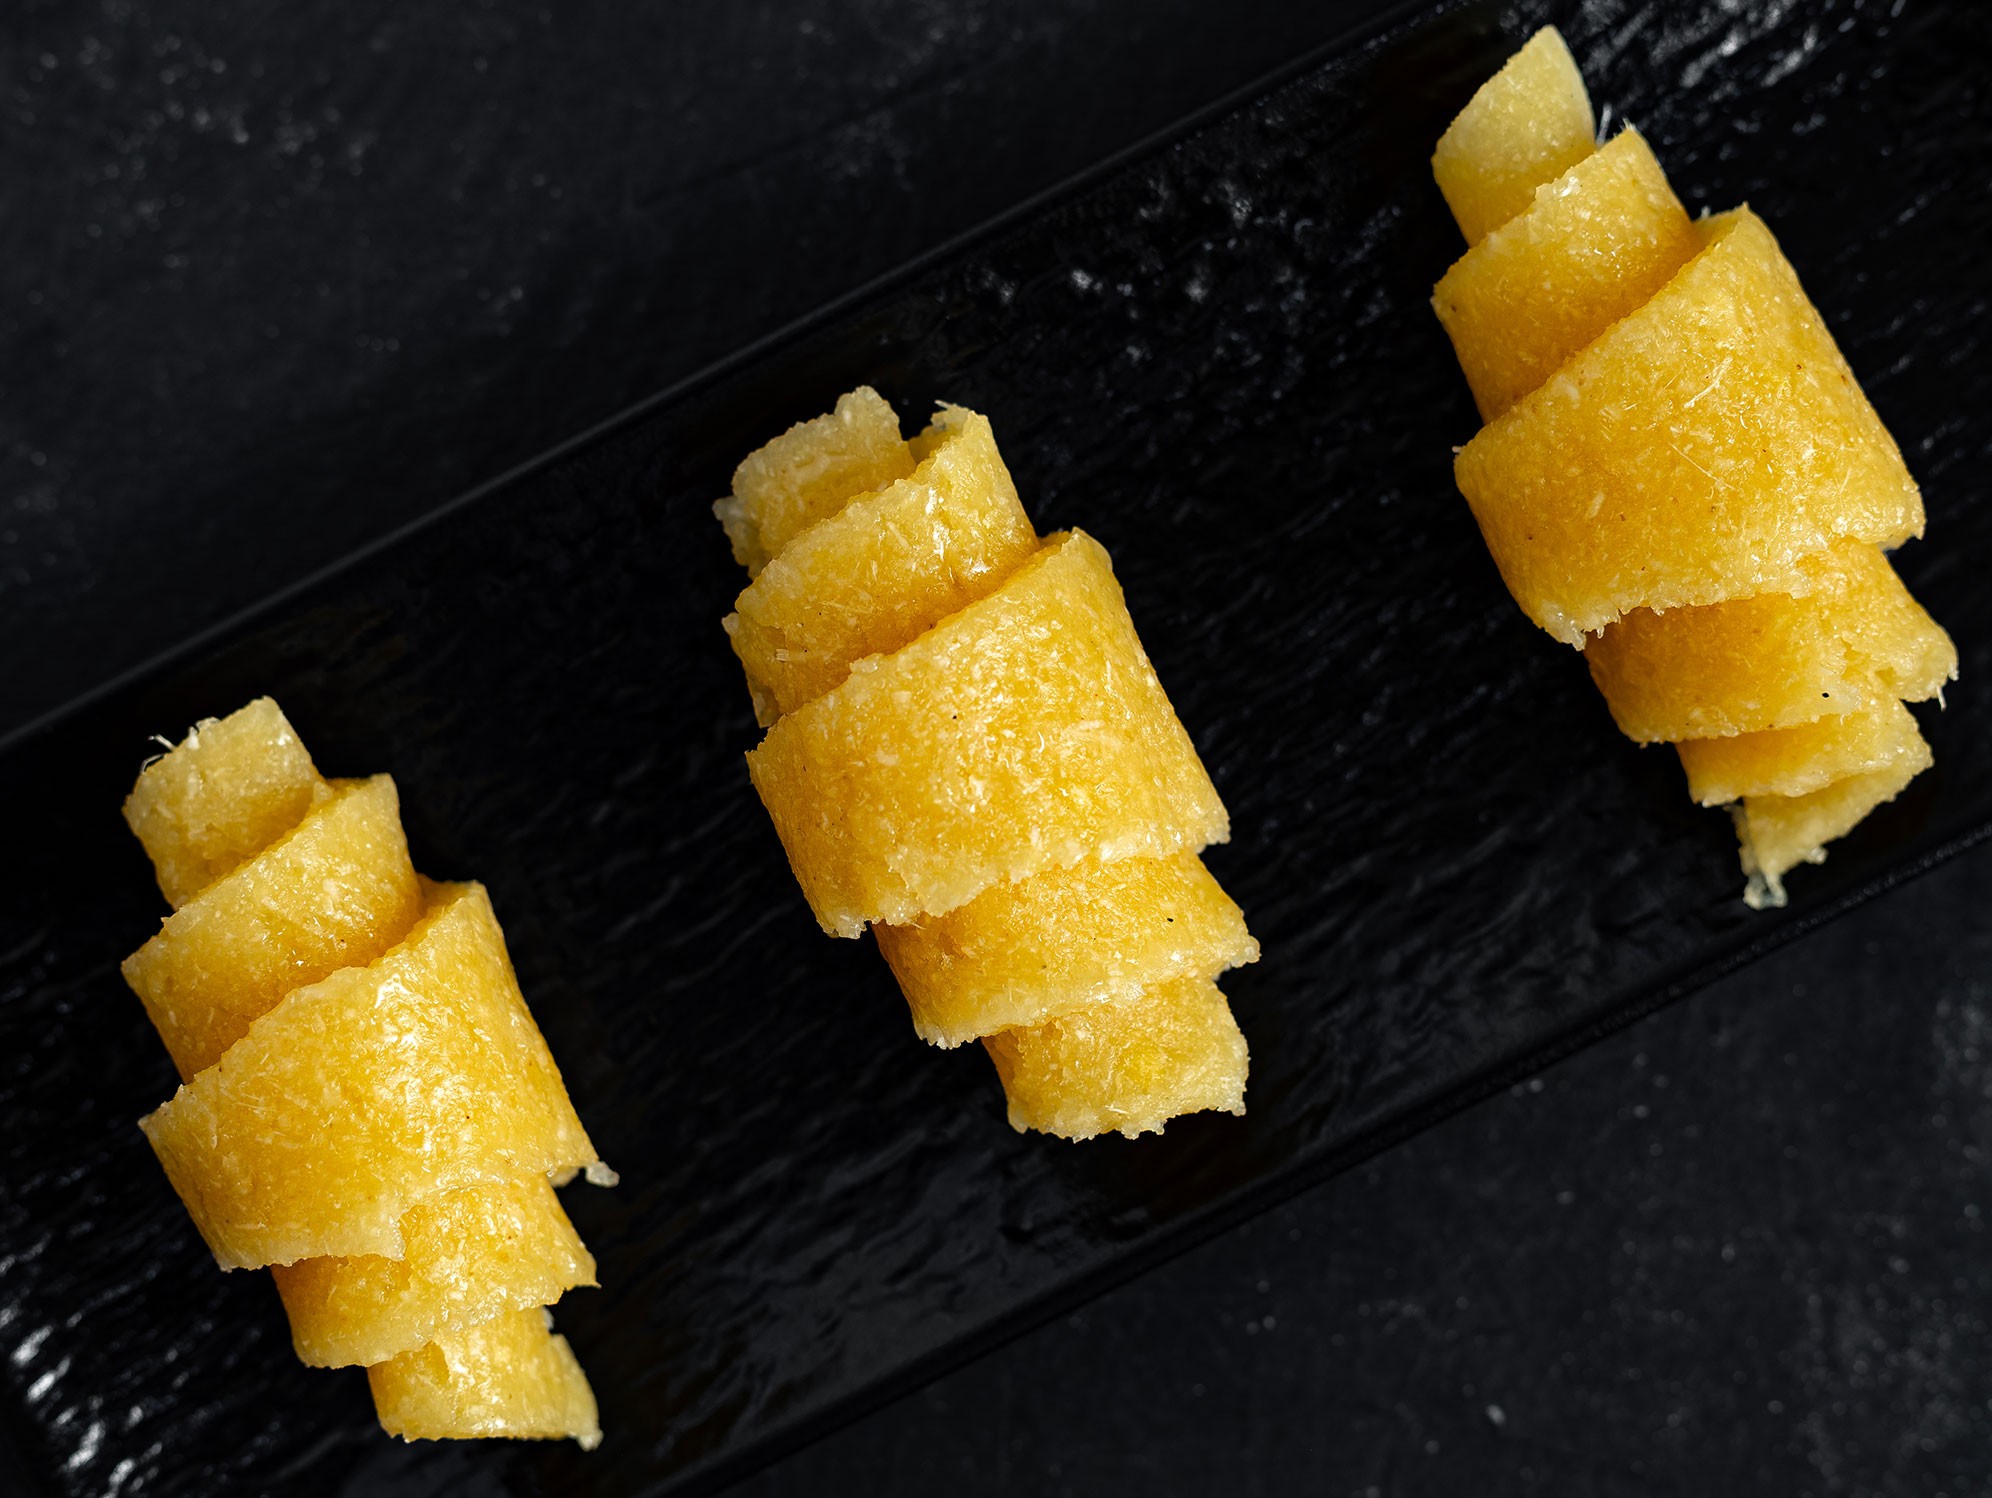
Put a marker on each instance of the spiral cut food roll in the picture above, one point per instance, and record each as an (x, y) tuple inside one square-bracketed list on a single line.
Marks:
[(367, 1106), (1678, 474), (968, 751)]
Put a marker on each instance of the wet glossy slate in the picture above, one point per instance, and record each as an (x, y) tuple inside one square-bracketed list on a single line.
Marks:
[(1220, 361)]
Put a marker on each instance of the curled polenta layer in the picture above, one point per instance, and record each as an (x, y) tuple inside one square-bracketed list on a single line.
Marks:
[(968, 752), (368, 1107), (1679, 474)]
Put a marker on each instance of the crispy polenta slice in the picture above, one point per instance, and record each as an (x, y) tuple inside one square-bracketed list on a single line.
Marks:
[(1774, 660), (367, 1093), (883, 569), (1527, 125), (468, 1255), (809, 473), (1023, 733), (233, 786), (1792, 762), (1125, 1067), (1598, 494), (1025, 952), (510, 1376), (336, 891), (1592, 247), (1778, 833)]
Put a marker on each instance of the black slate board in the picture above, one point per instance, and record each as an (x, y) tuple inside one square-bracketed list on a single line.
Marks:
[(1219, 360)]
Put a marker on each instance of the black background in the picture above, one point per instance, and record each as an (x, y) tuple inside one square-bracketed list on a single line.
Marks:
[(274, 282)]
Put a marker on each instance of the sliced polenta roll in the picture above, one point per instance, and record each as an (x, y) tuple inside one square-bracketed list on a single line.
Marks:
[(968, 751), (1679, 474), (302, 985)]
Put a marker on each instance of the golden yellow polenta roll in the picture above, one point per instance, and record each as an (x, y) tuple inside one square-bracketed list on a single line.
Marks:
[(809, 473), (1589, 250), (510, 1376), (1680, 476), (281, 879), (1126, 1067), (334, 891), (1775, 659), (881, 570), (1025, 732), (1025, 952), (1800, 760), (966, 738), (467, 1255), (1527, 125), (1597, 493), (230, 790), (367, 1093)]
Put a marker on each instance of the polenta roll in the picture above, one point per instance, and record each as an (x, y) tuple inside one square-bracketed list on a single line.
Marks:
[(367, 1106), (969, 753), (1679, 474)]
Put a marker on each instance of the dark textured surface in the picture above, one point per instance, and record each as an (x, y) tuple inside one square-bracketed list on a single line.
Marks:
[(1221, 363), (321, 270), (1737, 1249)]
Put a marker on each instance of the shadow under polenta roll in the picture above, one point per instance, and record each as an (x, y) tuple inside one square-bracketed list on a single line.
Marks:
[(368, 1108), (968, 751), (1679, 474)]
